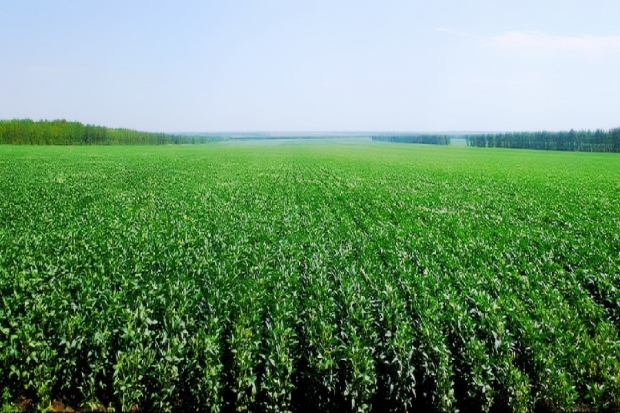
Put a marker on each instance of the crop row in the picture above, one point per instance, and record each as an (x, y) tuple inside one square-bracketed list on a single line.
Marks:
[(300, 278)]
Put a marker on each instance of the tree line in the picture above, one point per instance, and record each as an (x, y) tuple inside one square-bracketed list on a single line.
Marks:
[(583, 140), (430, 139), (62, 132)]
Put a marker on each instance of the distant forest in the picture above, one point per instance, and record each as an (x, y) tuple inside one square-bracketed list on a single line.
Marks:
[(583, 141), (62, 132), (430, 139)]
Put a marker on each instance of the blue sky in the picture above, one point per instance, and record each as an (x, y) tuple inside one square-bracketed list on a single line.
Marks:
[(337, 65)]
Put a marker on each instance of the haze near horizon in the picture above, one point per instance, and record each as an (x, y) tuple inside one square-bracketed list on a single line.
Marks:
[(280, 65)]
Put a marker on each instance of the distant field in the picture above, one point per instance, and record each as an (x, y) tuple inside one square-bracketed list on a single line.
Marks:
[(314, 276)]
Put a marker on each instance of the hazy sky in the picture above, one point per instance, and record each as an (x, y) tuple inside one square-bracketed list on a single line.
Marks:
[(314, 65)]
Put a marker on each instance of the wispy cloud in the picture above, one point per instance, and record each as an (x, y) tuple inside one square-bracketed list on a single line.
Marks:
[(539, 42), (552, 43)]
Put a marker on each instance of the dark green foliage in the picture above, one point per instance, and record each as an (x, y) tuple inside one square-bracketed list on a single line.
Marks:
[(429, 139), (62, 132), (582, 141)]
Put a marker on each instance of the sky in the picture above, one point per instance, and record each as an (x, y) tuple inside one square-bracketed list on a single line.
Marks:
[(314, 65)]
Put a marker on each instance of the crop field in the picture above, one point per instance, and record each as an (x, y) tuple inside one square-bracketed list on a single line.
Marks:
[(309, 277)]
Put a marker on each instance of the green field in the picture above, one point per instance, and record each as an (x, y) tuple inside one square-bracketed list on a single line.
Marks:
[(310, 276)]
